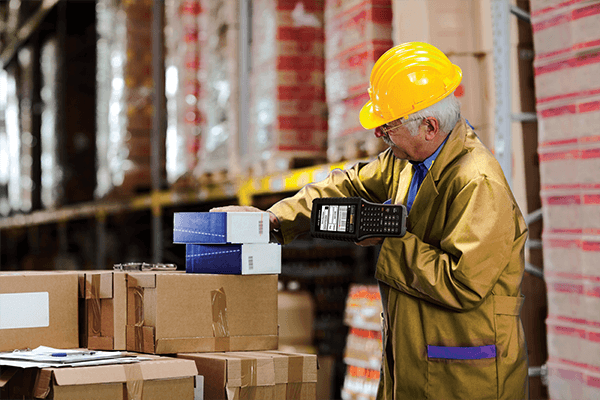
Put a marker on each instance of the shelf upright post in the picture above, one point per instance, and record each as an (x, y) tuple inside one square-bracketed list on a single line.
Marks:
[(158, 122), (502, 81)]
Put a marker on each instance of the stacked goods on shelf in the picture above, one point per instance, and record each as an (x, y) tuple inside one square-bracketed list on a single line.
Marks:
[(567, 61), (288, 123), (52, 191), (363, 347), (27, 143), (11, 166), (466, 41), (357, 33), (257, 375), (184, 37), (4, 149), (125, 110), (219, 92)]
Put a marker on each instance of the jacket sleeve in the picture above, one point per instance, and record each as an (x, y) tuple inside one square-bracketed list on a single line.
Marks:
[(475, 247), (364, 180)]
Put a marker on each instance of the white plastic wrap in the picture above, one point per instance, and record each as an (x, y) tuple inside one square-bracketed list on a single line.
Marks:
[(184, 36), (52, 173), (110, 115), (4, 148), (219, 83)]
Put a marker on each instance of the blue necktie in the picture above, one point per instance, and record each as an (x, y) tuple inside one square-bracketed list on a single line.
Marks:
[(420, 170)]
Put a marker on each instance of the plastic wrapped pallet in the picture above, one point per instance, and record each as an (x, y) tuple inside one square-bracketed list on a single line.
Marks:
[(288, 123), (220, 88), (52, 173), (4, 149), (357, 33), (125, 109), (184, 37)]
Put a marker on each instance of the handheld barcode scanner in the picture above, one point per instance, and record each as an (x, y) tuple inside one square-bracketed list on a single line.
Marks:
[(354, 219)]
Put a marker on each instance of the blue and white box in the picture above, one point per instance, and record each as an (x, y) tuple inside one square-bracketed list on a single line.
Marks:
[(221, 227), (233, 259)]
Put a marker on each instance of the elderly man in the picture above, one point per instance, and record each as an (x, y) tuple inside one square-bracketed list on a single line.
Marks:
[(451, 287)]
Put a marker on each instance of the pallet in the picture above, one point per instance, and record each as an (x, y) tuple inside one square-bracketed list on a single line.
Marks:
[(282, 162), (353, 147)]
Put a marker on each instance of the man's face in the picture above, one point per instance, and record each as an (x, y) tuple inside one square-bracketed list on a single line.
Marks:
[(399, 137)]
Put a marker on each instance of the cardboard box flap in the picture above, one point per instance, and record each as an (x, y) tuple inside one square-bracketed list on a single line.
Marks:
[(145, 370), (88, 375), (6, 375), (99, 285), (141, 279)]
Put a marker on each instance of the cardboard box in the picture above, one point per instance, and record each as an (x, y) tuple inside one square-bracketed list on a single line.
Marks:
[(160, 378), (236, 259), (104, 310), (296, 312), (172, 312), (221, 227), (38, 308), (270, 375), (453, 26), (295, 374)]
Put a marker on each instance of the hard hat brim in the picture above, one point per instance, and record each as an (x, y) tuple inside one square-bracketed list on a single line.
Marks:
[(368, 118)]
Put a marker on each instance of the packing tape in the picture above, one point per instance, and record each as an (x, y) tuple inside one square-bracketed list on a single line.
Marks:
[(94, 300), (293, 391), (249, 372), (134, 381), (220, 323), (138, 294), (295, 369), (248, 393)]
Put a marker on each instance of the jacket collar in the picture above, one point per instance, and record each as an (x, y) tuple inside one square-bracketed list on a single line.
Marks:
[(454, 147)]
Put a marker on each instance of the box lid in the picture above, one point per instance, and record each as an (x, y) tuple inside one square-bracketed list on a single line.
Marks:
[(167, 368)]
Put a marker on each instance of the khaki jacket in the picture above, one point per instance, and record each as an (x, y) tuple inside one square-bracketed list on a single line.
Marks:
[(451, 286)]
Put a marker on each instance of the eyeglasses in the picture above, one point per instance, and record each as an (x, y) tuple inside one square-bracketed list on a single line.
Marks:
[(386, 129)]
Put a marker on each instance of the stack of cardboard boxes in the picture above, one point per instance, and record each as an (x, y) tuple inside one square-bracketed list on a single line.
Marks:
[(357, 33), (222, 326), (288, 122), (567, 86)]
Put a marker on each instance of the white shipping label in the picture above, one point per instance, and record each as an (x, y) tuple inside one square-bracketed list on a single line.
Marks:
[(324, 217), (24, 310), (342, 218), (248, 227), (333, 216)]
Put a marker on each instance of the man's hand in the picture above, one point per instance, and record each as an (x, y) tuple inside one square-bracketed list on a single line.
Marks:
[(274, 222), (370, 242)]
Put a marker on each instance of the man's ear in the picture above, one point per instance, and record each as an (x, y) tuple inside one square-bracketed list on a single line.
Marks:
[(433, 128)]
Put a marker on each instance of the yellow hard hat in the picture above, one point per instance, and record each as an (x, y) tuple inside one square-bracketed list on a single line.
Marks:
[(405, 79)]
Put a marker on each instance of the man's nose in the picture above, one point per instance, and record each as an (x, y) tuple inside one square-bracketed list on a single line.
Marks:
[(378, 132)]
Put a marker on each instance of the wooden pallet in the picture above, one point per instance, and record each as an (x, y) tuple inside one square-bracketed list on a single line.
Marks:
[(352, 147), (282, 162)]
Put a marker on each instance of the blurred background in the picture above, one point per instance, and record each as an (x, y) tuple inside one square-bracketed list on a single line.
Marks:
[(114, 114)]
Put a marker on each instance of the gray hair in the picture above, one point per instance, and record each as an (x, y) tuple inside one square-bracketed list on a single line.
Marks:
[(446, 111)]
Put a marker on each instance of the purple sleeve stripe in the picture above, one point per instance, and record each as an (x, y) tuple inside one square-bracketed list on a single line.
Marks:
[(462, 353)]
